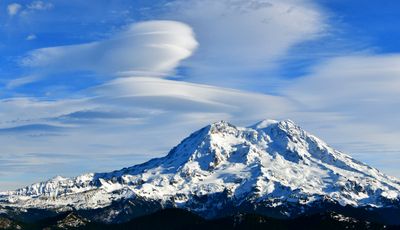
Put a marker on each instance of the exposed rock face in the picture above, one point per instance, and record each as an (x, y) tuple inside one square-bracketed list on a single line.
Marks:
[(72, 221)]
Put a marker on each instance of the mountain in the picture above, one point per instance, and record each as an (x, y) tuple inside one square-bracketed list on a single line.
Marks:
[(272, 168)]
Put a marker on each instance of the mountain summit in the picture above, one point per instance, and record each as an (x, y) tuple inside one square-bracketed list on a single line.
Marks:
[(272, 168)]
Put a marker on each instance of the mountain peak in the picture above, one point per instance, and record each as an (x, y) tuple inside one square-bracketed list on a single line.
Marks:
[(221, 126), (283, 124), (272, 163), (221, 123)]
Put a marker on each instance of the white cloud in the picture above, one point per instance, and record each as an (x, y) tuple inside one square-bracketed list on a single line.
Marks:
[(13, 9), (15, 83), (31, 37), (176, 96), (152, 48), (353, 101), (16, 8), (13, 111), (39, 5), (355, 85), (240, 38)]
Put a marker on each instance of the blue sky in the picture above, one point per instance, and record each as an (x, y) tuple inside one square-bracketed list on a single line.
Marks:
[(98, 85)]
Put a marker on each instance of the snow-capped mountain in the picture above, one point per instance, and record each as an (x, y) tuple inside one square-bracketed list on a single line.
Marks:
[(218, 170)]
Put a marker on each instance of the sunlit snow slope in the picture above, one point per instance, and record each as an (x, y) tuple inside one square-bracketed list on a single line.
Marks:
[(269, 164)]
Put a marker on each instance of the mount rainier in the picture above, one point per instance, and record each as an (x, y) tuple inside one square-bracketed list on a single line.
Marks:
[(273, 168)]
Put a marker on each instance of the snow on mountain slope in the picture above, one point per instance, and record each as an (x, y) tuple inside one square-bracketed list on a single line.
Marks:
[(271, 162)]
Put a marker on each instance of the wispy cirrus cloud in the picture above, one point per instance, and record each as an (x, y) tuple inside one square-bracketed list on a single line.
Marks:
[(243, 41), (17, 8), (40, 5), (354, 102), (17, 82)]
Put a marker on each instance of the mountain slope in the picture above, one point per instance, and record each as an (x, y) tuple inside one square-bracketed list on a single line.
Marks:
[(272, 168)]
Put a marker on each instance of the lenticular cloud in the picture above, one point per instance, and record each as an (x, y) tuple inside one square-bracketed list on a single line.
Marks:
[(152, 48)]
